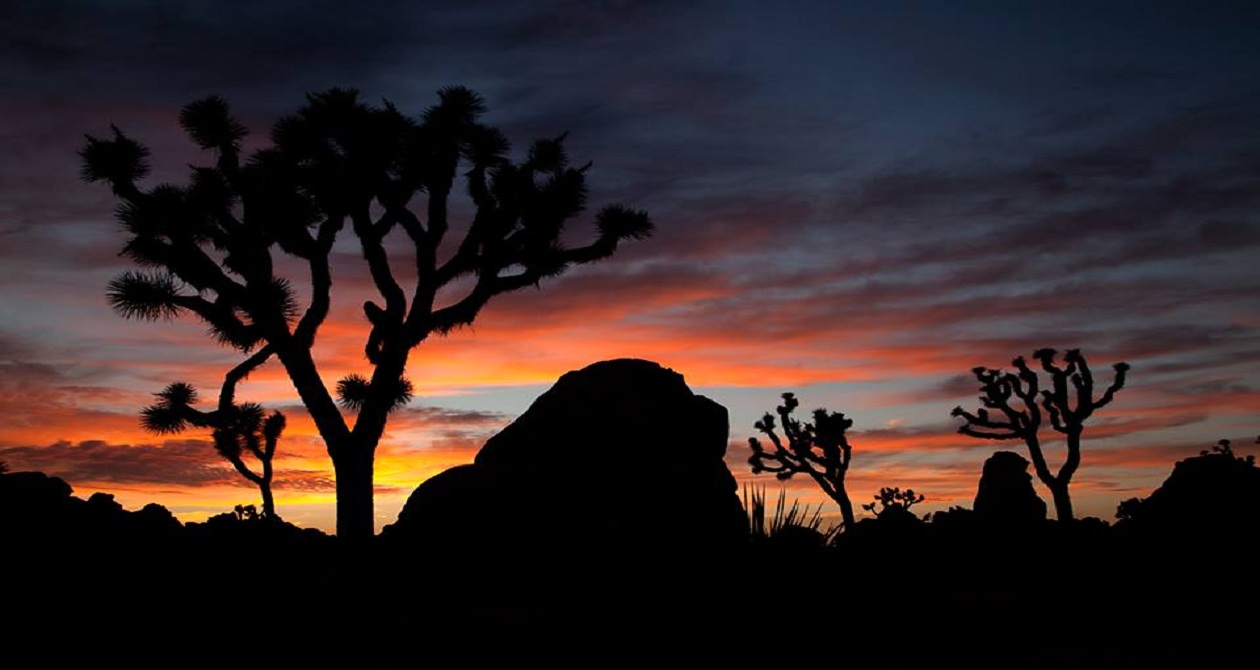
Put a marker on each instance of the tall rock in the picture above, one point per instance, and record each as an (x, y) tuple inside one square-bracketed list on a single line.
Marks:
[(1006, 494)]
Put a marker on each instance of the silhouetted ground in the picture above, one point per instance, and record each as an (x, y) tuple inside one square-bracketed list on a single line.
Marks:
[(88, 580)]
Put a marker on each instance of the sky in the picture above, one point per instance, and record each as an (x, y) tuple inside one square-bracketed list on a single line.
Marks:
[(857, 202)]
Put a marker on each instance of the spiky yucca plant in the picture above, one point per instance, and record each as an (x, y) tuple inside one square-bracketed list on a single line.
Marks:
[(783, 517)]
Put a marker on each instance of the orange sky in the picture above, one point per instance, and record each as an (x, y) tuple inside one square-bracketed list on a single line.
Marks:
[(480, 379)]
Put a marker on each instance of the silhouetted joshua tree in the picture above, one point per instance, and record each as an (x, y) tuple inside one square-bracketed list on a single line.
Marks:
[(238, 429), (210, 247), (1012, 408), (1225, 449), (819, 449), (893, 502)]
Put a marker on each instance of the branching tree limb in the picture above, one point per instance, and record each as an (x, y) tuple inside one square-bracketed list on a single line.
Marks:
[(209, 248), (1013, 404), (819, 449), (237, 429)]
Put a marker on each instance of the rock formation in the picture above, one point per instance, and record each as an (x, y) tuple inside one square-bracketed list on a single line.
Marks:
[(620, 458), (1006, 494), (1215, 490)]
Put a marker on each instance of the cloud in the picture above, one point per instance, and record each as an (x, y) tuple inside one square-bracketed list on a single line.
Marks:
[(430, 417), (131, 49), (176, 463)]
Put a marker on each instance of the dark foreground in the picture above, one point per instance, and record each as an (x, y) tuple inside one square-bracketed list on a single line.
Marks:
[(252, 594)]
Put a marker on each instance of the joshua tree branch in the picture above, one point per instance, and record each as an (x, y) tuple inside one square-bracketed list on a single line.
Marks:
[(1122, 370), (227, 393), (378, 264), (321, 281)]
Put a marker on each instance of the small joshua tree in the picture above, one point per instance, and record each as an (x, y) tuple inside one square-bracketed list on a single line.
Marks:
[(238, 429), (1225, 449), (893, 502), (819, 449), (1012, 408)]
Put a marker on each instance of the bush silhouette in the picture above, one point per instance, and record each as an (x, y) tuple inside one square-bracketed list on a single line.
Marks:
[(793, 524), (892, 502)]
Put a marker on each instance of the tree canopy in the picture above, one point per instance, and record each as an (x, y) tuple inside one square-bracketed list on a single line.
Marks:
[(337, 166)]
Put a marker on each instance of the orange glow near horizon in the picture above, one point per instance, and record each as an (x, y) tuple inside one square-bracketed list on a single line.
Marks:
[(71, 410)]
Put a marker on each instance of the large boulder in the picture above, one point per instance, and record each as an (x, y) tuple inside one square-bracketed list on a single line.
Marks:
[(1006, 494), (33, 502), (1216, 491), (617, 459)]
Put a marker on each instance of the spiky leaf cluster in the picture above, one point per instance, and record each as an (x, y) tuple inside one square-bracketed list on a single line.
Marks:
[(336, 159), (173, 412), (209, 122), (354, 390), (119, 160), (247, 428)]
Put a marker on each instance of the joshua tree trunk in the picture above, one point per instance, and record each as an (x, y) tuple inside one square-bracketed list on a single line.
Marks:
[(351, 451), (351, 456), (846, 508), (269, 502), (355, 510), (1062, 501), (1059, 485)]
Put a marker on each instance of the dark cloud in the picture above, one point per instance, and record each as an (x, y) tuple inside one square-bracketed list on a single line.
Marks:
[(122, 50), (445, 416), (308, 481), (1056, 122), (1239, 358), (13, 347), (1131, 76), (955, 386), (176, 463), (179, 463), (461, 445)]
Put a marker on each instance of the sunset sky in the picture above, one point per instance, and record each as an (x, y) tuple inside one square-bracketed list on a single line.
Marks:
[(855, 201)]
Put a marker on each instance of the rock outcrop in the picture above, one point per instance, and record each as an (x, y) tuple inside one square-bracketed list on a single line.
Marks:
[(1214, 491), (1006, 494), (619, 459)]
